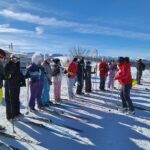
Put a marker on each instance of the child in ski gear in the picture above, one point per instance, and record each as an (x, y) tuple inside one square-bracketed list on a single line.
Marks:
[(140, 66), (88, 73), (47, 80), (34, 73), (57, 78), (125, 79), (80, 76), (72, 71), (112, 72), (12, 87), (103, 69)]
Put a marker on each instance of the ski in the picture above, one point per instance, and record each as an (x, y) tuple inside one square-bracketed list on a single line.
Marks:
[(136, 107), (59, 114), (66, 134), (18, 138), (81, 117), (8, 146), (54, 123)]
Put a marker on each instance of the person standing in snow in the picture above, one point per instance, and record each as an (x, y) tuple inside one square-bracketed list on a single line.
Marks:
[(125, 79), (72, 71), (57, 78), (33, 72), (80, 76), (112, 72), (12, 87), (140, 66), (103, 69), (47, 80), (88, 72)]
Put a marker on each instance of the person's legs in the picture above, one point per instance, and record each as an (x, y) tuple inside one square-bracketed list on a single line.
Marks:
[(17, 99), (45, 94), (102, 83), (109, 82), (59, 89), (70, 87), (39, 94), (55, 90), (9, 92), (33, 95), (79, 86), (122, 91), (139, 75), (127, 97)]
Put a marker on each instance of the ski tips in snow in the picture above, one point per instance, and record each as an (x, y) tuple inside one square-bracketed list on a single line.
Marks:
[(16, 137)]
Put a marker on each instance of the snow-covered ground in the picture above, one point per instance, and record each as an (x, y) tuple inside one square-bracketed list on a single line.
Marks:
[(103, 126)]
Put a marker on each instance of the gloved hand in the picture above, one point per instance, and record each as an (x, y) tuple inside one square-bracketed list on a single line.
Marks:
[(50, 82)]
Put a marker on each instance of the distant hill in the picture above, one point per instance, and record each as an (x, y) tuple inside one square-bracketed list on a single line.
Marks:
[(56, 55)]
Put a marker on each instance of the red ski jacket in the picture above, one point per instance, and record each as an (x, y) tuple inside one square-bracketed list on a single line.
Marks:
[(124, 74), (103, 69), (72, 70)]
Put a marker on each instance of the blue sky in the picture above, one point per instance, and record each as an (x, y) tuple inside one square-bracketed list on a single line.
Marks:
[(114, 27)]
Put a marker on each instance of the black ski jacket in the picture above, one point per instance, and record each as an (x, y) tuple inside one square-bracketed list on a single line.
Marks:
[(12, 74)]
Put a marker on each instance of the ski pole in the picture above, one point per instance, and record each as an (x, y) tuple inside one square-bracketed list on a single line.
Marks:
[(27, 96)]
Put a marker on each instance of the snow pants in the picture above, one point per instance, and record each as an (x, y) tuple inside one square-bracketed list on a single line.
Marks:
[(71, 82), (88, 85), (138, 77), (102, 83), (36, 89), (57, 89), (125, 97), (45, 94), (12, 101), (79, 85), (111, 80)]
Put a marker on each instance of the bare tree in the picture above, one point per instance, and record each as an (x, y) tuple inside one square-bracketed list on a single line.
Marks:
[(79, 52)]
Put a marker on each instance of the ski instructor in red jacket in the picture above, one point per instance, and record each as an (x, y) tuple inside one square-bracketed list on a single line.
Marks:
[(125, 79), (103, 69)]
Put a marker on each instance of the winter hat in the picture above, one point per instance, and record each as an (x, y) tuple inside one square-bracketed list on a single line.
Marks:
[(14, 57), (46, 57), (75, 59), (120, 59), (88, 62), (56, 60), (36, 58), (127, 59)]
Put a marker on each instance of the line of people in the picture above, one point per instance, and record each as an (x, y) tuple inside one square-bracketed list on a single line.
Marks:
[(42, 73)]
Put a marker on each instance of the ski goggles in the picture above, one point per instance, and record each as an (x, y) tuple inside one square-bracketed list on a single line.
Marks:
[(15, 59)]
